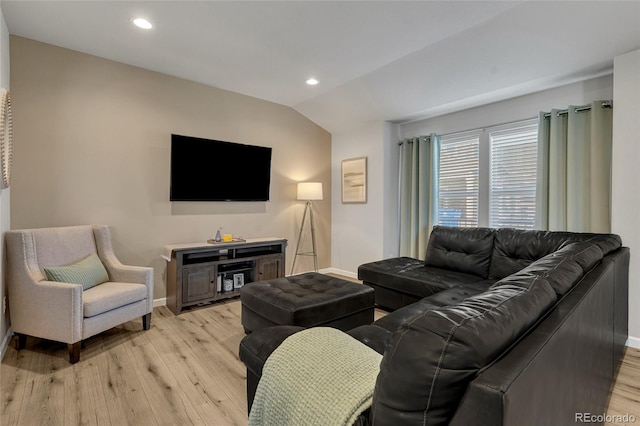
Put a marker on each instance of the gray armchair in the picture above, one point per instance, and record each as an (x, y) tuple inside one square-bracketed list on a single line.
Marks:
[(64, 312)]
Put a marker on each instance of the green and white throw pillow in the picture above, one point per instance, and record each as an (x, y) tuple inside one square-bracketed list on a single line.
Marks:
[(89, 272)]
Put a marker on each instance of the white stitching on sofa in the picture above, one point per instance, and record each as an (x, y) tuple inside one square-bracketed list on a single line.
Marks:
[(452, 332)]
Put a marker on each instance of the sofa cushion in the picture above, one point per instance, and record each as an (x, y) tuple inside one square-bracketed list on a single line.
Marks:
[(458, 294), (88, 272), (515, 249), (395, 319), (436, 354), (62, 245), (562, 268), (587, 255), (561, 273), (411, 276), (466, 250), (111, 295), (451, 296), (606, 242)]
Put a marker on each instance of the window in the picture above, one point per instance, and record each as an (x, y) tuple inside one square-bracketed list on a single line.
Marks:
[(512, 187), (488, 177), (458, 181)]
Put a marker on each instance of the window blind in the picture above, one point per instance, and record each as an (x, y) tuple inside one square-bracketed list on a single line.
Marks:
[(458, 181), (512, 187)]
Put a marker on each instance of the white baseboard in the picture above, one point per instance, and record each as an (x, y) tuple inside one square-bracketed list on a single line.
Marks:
[(5, 342), (160, 302), (633, 342), (339, 272), (330, 271)]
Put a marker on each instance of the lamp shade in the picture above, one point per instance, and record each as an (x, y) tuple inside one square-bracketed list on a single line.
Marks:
[(310, 191)]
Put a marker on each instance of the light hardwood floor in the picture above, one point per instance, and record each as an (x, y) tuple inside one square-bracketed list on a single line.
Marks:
[(625, 396), (184, 370)]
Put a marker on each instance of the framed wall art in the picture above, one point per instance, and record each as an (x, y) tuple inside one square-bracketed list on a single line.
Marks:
[(354, 180)]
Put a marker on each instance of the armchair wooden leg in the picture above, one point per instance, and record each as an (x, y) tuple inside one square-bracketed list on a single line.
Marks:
[(146, 321), (74, 352), (21, 341)]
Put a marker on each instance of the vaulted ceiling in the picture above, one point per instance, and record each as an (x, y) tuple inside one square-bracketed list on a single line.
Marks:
[(375, 60)]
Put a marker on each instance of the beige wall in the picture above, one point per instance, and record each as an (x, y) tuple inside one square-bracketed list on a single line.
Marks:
[(92, 145), (359, 231)]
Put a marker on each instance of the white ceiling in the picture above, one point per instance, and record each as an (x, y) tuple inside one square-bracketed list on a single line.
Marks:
[(376, 60)]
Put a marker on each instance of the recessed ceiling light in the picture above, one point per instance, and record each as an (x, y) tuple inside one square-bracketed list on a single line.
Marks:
[(312, 82), (142, 23)]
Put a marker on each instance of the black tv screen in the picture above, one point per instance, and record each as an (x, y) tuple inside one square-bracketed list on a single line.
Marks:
[(213, 170)]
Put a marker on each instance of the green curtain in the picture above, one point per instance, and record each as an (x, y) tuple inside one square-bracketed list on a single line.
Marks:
[(418, 198), (574, 169)]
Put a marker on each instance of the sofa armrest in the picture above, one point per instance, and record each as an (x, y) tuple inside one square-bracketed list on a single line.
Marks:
[(133, 274), (256, 347), (130, 274), (48, 309), (117, 271), (37, 307), (254, 350)]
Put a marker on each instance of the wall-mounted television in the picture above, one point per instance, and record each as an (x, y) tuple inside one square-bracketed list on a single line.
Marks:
[(213, 170)]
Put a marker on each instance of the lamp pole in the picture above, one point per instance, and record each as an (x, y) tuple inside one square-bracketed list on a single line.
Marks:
[(308, 208)]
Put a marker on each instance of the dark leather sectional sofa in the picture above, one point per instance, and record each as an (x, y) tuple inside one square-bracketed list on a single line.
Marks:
[(494, 327)]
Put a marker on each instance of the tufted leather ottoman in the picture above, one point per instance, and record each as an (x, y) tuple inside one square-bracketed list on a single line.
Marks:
[(306, 300)]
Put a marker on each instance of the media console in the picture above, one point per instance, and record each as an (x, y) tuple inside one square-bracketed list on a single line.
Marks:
[(201, 273)]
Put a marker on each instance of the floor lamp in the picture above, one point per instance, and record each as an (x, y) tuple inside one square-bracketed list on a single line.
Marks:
[(308, 191)]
